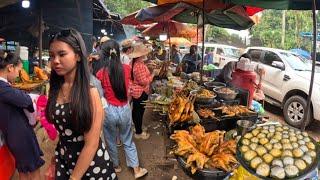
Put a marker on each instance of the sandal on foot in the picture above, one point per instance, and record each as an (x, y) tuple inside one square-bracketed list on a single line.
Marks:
[(142, 172), (117, 169)]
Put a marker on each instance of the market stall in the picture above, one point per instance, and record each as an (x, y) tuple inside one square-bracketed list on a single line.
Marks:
[(215, 134)]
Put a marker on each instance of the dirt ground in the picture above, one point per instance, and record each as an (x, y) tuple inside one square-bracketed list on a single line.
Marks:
[(154, 152)]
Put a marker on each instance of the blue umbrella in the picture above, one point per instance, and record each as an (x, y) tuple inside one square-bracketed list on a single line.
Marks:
[(302, 53)]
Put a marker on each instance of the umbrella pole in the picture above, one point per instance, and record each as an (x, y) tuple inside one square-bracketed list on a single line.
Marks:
[(203, 39), (314, 56), (169, 42), (40, 38), (197, 34)]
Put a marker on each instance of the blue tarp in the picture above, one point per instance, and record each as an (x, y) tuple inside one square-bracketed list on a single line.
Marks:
[(309, 35), (302, 53)]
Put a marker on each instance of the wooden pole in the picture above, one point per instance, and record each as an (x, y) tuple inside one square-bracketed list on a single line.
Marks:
[(40, 37), (314, 56), (168, 24), (203, 39), (283, 36)]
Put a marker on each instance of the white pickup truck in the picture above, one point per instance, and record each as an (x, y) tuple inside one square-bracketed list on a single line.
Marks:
[(286, 83)]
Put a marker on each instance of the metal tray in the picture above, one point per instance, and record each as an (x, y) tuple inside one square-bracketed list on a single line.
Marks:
[(203, 174), (301, 175)]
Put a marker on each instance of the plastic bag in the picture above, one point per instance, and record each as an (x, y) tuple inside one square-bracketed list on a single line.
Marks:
[(7, 163), (32, 116), (241, 174), (51, 170)]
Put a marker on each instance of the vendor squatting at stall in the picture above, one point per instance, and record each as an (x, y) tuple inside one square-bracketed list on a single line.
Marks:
[(225, 75)]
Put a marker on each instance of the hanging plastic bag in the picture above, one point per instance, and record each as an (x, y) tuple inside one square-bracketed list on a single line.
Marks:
[(7, 163), (32, 116)]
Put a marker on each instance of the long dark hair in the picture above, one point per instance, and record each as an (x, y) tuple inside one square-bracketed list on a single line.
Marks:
[(80, 93), (9, 58), (110, 51)]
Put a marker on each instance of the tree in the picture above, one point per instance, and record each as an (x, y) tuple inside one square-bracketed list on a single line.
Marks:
[(270, 29), (125, 7)]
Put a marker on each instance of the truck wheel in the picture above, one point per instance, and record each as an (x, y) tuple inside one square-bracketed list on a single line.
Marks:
[(294, 111)]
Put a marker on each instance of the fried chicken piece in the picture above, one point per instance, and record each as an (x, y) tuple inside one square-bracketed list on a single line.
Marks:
[(206, 113), (183, 135), (184, 148), (198, 133), (200, 160), (223, 161), (211, 141), (176, 109), (228, 147)]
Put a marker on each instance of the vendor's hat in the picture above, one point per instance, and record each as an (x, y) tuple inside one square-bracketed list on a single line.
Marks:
[(104, 39), (139, 50), (127, 43)]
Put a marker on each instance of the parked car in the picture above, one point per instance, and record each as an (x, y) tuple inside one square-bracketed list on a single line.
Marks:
[(286, 83), (222, 54)]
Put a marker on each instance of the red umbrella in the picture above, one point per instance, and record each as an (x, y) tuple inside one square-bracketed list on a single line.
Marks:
[(131, 20), (178, 41), (142, 27), (172, 28)]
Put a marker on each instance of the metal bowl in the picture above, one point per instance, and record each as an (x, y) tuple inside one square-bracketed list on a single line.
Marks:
[(202, 99), (226, 96), (211, 85)]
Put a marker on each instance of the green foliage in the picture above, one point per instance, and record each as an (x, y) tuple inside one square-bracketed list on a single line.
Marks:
[(216, 32), (269, 31), (125, 7), (220, 35)]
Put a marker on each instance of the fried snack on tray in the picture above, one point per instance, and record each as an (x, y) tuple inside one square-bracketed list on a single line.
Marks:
[(204, 93), (202, 149), (224, 161), (236, 110), (181, 109), (211, 142), (198, 133), (40, 73), (226, 90), (24, 76), (200, 160), (206, 113)]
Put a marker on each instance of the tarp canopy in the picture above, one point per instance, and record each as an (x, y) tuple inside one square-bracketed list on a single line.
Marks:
[(277, 4), (22, 25), (172, 29), (4, 3), (215, 4), (233, 17), (87, 16)]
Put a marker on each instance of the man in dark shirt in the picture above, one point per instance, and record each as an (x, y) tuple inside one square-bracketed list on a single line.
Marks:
[(191, 60), (175, 55)]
